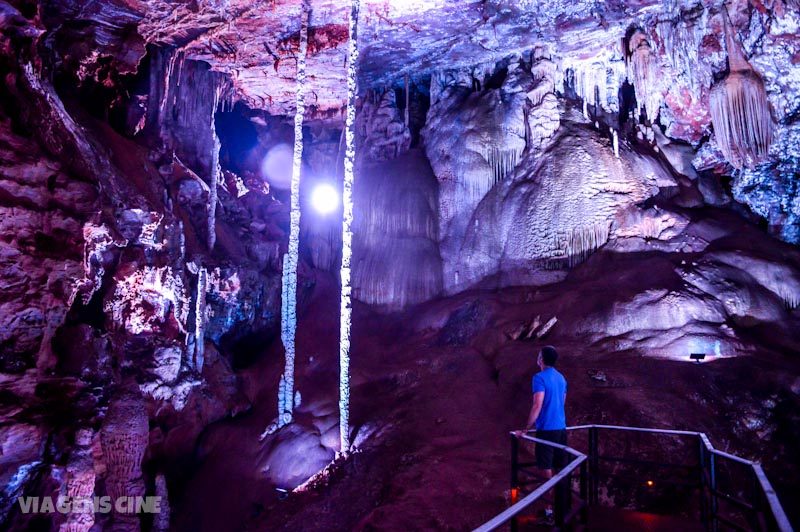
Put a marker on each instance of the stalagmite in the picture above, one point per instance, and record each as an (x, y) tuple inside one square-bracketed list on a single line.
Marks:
[(123, 438), (161, 519), (740, 109), (642, 71), (289, 285), (347, 234), (615, 142), (80, 484)]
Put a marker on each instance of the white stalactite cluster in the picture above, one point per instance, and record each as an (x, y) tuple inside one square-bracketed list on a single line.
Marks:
[(289, 282), (144, 298), (576, 246), (501, 161), (680, 40), (347, 233), (597, 82)]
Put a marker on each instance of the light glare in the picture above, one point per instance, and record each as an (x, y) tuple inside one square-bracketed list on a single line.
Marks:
[(324, 198)]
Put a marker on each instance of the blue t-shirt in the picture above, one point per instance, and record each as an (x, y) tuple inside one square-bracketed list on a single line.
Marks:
[(554, 386)]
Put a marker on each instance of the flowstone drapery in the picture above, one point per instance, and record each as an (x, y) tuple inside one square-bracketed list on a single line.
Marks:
[(740, 109)]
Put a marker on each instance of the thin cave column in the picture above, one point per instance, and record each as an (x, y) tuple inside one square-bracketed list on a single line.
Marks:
[(347, 234)]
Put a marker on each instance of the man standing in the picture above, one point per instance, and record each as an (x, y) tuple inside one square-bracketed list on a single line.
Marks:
[(547, 413)]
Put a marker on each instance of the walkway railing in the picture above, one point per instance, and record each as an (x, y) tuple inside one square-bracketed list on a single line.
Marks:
[(732, 493)]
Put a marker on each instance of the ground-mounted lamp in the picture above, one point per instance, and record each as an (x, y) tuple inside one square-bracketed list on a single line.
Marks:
[(697, 357)]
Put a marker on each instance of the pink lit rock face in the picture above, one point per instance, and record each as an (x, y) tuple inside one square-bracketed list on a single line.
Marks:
[(42, 214)]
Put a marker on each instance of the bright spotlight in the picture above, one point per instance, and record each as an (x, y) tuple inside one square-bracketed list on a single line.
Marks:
[(324, 198)]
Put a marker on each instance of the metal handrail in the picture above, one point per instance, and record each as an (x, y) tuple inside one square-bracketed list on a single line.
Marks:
[(778, 514), (781, 520), (511, 512)]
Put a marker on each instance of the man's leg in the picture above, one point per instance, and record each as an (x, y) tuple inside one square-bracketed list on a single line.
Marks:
[(545, 455)]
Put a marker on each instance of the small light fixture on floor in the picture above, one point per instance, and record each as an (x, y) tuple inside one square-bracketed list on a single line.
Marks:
[(697, 357)]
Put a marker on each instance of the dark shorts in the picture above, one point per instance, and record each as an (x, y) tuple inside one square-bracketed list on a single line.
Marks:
[(548, 457)]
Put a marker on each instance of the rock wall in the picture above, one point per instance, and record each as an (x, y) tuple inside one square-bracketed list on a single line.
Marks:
[(105, 324), (42, 212)]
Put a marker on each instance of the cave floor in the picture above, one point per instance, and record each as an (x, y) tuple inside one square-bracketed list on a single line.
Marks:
[(438, 399)]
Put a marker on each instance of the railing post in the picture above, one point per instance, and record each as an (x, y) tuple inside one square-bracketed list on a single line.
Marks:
[(755, 500), (514, 476), (594, 483), (584, 489), (562, 491), (712, 468), (701, 463)]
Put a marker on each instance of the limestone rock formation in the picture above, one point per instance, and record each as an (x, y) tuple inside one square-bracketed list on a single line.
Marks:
[(478, 128), (554, 211)]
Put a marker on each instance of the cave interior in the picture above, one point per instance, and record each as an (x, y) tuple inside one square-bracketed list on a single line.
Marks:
[(288, 264)]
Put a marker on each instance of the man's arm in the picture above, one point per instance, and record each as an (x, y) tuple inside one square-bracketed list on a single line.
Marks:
[(536, 408)]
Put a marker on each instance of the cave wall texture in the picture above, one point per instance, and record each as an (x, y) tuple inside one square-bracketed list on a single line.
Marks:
[(144, 206)]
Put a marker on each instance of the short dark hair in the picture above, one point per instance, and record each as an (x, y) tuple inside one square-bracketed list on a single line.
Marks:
[(549, 355)]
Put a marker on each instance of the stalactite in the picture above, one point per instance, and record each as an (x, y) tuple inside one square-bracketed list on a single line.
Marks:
[(643, 72), (680, 40), (502, 162), (289, 291), (575, 247), (215, 173), (597, 82), (740, 109), (200, 319), (791, 300), (408, 100), (347, 234)]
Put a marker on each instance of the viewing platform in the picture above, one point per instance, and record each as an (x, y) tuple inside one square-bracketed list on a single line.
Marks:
[(678, 483)]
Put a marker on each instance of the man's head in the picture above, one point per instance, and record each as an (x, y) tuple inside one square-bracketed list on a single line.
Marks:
[(547, 356)]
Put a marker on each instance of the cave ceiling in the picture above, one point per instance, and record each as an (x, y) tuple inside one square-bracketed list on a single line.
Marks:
[(256, 42)]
